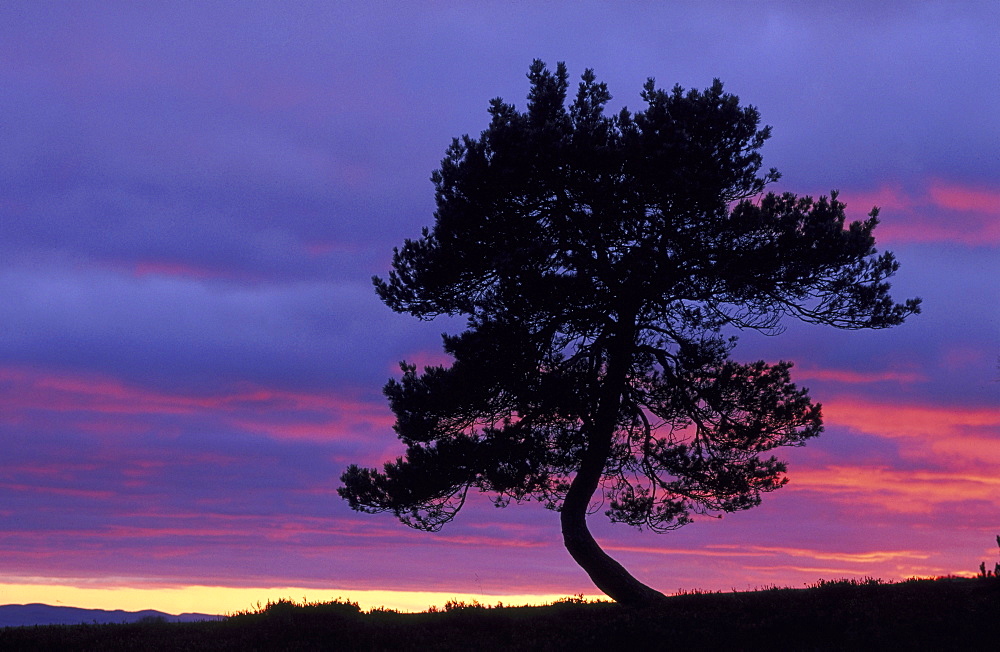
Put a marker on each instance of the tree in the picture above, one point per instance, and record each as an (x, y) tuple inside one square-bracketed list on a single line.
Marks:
[(601, 261)]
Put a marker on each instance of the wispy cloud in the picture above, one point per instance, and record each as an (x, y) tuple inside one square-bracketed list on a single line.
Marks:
[(934, 211), (850, 377), (900, 491), (930, 423), (88, 399)]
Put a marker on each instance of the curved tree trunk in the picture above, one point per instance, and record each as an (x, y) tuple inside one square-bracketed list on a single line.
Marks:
[(609, 576)]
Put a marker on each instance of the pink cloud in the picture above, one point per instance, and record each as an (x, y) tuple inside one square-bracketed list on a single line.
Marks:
[(886, 198), (866, 557), (898, 491), (89, 494), (98, 404), (939, 212), (962, 198), (961, 356), (730, 550), (422, 359), (179, 269), (171, 540), (859, 377), (963, 441), (901, 420)]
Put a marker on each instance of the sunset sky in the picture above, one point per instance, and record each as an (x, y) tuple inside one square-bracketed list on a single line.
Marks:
[(194, 197)]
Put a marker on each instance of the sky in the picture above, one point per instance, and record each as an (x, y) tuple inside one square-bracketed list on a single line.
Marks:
[(195, 196)]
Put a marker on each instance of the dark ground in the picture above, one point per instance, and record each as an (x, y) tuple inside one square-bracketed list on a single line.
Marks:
[(943, 614)]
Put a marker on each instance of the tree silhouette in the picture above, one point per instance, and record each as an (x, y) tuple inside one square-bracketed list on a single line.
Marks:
[(600, 261)]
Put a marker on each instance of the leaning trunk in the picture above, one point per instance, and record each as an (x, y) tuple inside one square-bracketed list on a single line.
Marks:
[(606, 573), (609, 576)]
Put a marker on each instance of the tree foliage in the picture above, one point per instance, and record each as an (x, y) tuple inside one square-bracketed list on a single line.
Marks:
[(602, 263)]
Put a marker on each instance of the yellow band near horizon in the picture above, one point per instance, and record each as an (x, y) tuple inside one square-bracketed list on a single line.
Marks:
[(230, 600)]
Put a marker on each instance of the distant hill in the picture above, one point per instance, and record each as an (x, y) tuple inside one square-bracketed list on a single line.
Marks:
[(16, 615)]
